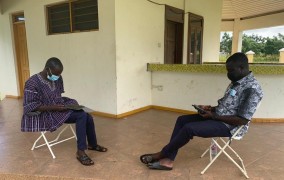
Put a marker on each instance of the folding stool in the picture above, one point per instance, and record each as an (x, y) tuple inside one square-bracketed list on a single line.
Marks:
[(222, 150), (49, 144)]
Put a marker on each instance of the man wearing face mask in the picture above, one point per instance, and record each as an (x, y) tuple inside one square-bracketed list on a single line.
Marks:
[(46, 110), (235, 108)]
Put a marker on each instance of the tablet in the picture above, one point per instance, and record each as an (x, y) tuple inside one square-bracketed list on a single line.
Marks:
[(200, 110), (75, 107)]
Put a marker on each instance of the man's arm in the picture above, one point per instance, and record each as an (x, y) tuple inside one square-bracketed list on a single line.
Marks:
[(246, 109), (232, 120)]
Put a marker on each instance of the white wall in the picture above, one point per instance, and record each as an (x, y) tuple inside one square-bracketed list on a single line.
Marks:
[(211, 12), (88, 57), (139, 40), (8, 79), (181, 90)]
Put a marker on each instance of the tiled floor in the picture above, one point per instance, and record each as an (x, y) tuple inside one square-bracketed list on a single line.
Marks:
[(262, 150)]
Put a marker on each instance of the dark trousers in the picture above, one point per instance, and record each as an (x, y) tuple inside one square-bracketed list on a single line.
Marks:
[(187, 127), (85, 127)]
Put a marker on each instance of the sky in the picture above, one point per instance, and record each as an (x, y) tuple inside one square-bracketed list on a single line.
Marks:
[(264, 32)]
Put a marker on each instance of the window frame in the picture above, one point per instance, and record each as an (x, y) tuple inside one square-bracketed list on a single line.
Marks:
[(189, 41), (71, 18), (174, 16)]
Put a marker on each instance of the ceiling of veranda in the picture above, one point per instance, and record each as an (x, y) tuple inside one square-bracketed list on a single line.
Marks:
[(250, 8)]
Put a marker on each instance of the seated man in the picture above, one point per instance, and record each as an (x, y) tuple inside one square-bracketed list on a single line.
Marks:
[(45, 109), (234, 109)]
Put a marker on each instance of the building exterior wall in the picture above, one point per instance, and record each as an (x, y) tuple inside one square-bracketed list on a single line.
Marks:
[(88, 57), (106, 69), (180, 90), (139, 40)]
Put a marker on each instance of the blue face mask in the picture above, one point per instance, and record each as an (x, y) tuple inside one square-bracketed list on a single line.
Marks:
[(52, 77)]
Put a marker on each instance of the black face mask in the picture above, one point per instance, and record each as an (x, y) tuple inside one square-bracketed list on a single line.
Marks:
[(233, 77)]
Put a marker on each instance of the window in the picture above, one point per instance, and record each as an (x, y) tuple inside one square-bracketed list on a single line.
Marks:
[(18, 18), (74, 16), (195, 32)]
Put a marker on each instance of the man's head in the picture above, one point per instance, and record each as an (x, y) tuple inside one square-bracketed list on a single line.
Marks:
[(54, 68), (237, 66)]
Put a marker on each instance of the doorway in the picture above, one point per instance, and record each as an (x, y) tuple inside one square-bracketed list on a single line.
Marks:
[(21, 51), (174, 20)]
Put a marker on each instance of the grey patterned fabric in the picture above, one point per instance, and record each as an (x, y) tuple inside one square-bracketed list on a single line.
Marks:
[(241, 99)]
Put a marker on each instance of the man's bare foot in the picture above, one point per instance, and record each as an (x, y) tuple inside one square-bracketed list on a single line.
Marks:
[(162, 164), (166, 162)]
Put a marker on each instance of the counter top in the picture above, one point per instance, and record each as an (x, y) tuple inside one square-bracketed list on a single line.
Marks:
[(214, 68)]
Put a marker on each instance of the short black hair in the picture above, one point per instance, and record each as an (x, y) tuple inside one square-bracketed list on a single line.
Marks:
[(54, 63), (240, 59)]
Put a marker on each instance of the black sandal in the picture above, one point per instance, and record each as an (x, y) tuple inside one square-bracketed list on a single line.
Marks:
[(85, 160), (147, 158), (98, 148)]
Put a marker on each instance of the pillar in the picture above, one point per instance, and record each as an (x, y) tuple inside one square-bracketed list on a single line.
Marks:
[(250, 55), (281, 57), (237, 37)]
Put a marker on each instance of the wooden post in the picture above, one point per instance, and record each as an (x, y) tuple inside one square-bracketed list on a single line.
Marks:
[(250, 55)]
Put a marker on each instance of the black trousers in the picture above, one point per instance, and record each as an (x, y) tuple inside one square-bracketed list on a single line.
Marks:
[(187, 127), (85, 127)]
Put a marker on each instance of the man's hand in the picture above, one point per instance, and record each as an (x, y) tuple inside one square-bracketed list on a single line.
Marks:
[(206, 107), (208, 114)]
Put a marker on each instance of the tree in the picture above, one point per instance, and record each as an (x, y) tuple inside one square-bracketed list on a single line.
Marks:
[(273, 45), (258, 44), (226, 43), (254, 42)]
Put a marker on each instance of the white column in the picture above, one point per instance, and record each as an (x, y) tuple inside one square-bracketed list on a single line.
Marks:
[(185, 36), (240, 41), (250, 55), (237, 37)]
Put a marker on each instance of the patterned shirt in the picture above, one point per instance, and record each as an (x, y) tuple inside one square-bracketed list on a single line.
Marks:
[(38, 92), (241, 99)]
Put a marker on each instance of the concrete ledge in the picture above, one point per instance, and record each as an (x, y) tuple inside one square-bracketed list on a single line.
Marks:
[(214, 68)]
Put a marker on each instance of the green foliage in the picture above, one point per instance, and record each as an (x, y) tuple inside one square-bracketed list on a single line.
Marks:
[(254, 43), (226, 43), (273, 45), (266, 49)]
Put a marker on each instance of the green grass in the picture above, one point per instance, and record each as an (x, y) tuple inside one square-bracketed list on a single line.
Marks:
[(266, 59)]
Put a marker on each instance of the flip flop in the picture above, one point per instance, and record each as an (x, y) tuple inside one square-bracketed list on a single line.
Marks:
[(158, 166), (98, 148), (146, 158), (85, 160)]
